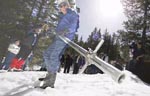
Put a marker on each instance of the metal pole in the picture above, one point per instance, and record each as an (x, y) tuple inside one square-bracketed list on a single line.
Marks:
[(92, 58)]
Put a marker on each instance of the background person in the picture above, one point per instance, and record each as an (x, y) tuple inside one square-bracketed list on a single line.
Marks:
[(68, 63), (27, 46), (13, 49), (135, 65)]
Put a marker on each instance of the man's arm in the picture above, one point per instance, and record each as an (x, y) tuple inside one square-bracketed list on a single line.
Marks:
[(74, 23), (34, 41)]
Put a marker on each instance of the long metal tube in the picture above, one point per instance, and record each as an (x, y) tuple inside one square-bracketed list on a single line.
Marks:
[(78, 48), (115, 73)]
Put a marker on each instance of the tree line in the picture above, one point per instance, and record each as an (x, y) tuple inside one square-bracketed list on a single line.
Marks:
[(17, 17), (109, 47)]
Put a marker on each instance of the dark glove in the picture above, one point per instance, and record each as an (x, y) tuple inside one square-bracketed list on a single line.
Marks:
[(63, 32)]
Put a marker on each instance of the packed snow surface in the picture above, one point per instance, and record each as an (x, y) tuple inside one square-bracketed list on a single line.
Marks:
[(22, 84)]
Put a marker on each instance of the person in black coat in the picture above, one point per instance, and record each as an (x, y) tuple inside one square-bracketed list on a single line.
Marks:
[(68, 63), (27, 46), (136, 64)]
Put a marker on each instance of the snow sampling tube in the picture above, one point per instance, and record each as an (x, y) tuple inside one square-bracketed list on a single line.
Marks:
[(107, 68)]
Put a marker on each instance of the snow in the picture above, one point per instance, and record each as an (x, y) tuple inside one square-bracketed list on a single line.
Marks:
[(22, 84)]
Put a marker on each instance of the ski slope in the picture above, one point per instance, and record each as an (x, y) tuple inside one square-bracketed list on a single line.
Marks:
[(21, 84)]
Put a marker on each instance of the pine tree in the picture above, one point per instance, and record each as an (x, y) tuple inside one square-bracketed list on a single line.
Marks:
[(138, 23)]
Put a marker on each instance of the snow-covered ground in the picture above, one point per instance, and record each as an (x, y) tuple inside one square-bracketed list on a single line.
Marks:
[(21, 84)]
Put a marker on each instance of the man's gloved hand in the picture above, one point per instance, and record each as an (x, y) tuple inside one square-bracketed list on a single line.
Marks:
[(64, 32)]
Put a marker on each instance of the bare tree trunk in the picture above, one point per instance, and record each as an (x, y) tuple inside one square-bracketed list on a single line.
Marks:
[(30, 15), (40, 9), (144, 22)]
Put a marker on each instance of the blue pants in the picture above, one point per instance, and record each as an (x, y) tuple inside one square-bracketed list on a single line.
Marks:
[(8, 60), (53, 53), (27, 62)]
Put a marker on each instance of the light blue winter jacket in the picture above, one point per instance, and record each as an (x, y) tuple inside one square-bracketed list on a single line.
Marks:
[(68, 24)]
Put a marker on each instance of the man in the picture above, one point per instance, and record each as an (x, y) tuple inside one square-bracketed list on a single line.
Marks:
[(137, 61), (139, 56), (67, 26), (68, 63), (27, 45)]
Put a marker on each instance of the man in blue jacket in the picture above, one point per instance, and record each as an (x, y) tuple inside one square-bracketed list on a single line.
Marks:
[(67, 26)]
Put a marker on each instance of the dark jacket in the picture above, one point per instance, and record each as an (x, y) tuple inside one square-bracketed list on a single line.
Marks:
[(30, 40)]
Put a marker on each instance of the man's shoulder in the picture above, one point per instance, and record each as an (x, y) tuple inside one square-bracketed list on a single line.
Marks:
[(70, 11)]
